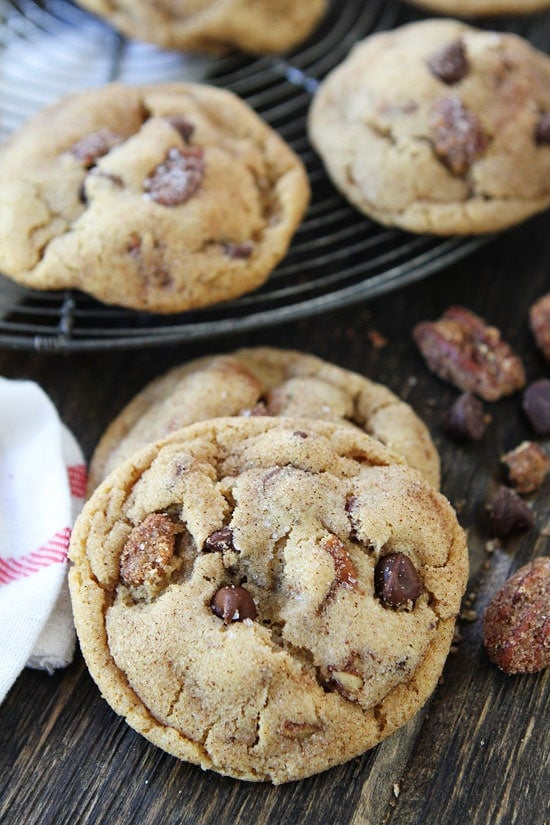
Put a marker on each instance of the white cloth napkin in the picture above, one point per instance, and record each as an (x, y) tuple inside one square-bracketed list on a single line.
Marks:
[(42, 488)]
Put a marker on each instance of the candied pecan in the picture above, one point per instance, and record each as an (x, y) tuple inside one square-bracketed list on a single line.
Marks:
[(346, 574), (536, 405), (508, 512), (542, 130), (465, 418), (93, 146), (176, 179), (450, 63), (539, 319), (233, 604), (458, 136), (148, 549), (462, 349), (516, 625), (299, 730), (396, 581), (526, 467)]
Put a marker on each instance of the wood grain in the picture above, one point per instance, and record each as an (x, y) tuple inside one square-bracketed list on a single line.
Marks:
[(479, 753)]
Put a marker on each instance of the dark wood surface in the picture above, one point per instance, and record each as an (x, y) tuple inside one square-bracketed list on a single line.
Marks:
[(478, 754)]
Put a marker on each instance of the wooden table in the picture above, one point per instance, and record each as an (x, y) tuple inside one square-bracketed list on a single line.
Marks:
[(478, 754)]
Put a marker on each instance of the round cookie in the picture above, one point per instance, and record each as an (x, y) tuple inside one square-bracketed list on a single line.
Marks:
[(438, 127), (161, 198), (213, 26), (481, 8), (265, 381), (266, 597)]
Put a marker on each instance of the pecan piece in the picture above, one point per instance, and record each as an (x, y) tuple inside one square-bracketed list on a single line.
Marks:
[(93, 146), (176, 179), (539, 319), (148, 549), (516, 625), (450, 63), (344, 568), (458, 136), (462, 349), (526, 467)]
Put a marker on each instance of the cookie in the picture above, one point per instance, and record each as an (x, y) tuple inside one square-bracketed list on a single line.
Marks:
[(482, 8), (214, 26), (438, 127), (162, 197), (265, 381), (266, 597)]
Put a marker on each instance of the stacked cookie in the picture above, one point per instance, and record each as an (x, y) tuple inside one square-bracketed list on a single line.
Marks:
[(270, 591)]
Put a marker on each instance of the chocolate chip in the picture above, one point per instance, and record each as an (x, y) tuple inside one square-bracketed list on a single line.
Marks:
[(536, 405), (182, 125), (450, 63), (396, 581), (219, 541), (458, 136), (240, 251), (542, 130), (300, 434), (466, 418), (508, 512), (93, 146), (178, 178), (233, 604)]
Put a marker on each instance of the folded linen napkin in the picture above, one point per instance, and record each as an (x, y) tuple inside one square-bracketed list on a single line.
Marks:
[(42, 488)]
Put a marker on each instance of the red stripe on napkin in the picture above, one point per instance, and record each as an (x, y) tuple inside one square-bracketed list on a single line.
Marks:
[(77, 480), (53, 552)]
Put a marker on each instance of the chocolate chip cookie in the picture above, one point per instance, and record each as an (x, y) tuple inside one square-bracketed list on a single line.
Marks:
[(214, 26), (438, 127), (482, 8), (266, 597), (265, 381), (161, 197)]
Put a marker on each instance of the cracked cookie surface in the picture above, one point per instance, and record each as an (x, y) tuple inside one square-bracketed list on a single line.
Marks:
[(438, 127), (265, 381), (214, 26), (160, 198), (266, 597)]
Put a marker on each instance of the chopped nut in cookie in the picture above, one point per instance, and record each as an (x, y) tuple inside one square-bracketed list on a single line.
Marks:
[(148, 551), (450, 63), (178, 178), (345, 571), (458, 136), (516, 625), (526, 466), (463, 349), (93, 146), (508, 512)]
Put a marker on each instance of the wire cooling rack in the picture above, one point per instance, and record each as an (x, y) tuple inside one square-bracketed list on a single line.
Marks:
[(338, 256)]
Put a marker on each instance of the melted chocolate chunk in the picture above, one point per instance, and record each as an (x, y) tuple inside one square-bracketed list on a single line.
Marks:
[(396, 581), (178, 178), (458, 136), (233, 604), (182, 125), (239, 251), (450, 63)]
